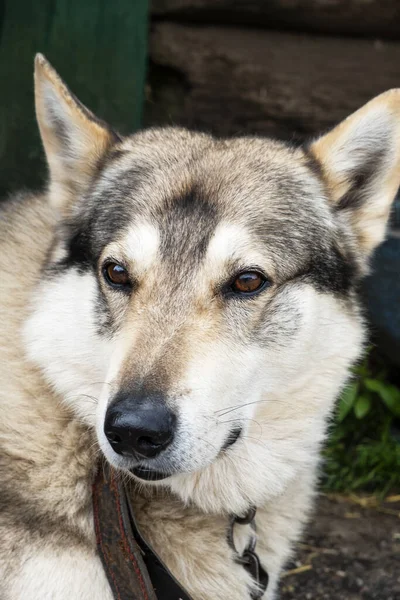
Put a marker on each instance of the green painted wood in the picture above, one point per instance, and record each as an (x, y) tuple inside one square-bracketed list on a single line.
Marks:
[(99, 48)]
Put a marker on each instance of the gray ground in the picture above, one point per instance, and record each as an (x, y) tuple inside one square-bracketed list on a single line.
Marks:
[(351, 552)]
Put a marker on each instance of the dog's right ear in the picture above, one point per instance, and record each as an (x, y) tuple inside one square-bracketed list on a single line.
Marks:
[(74, 139)]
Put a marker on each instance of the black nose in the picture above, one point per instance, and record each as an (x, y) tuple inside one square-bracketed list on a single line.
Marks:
[(139, 426)]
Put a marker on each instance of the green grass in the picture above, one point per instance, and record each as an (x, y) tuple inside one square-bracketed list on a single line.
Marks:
[(363, 456), (363, 450)]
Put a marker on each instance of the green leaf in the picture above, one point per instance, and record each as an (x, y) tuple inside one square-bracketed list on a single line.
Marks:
[(374, 385), (347, 401), (362, 406), (390, 394), (360, 370)]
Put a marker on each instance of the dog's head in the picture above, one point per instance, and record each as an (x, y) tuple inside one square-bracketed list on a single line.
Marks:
[(198, 305)]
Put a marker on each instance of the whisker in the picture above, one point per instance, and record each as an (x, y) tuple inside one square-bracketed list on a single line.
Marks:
[(200, 439), (237, 407), (257, 440), (232, 460), (75, 396), (241, 421)]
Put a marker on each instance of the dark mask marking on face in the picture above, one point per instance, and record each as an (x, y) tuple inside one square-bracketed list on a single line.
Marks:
[(331, 271), (186, 223), (101, 219)]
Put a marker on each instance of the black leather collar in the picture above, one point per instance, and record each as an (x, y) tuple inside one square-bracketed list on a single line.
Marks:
[(134, 570)]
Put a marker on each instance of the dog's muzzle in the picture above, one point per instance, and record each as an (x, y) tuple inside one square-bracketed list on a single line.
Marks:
[(140, 428)]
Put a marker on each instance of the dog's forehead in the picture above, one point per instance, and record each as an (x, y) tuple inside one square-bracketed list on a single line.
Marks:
[(193, 175), (185, 196)]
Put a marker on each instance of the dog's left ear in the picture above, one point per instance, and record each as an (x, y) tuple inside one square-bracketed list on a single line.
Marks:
[(360, 162), (74, 139)]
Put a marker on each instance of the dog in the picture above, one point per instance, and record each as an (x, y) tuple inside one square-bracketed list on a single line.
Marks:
[(185, 308)]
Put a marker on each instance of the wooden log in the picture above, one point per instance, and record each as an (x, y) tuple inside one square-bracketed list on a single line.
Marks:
[(238, 80), (354, 17), (99, 49)]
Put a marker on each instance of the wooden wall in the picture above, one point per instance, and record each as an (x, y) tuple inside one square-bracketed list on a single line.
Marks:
[(270, 66)]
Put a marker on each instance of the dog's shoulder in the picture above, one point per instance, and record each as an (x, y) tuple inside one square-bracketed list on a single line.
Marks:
[(26, 224), (26, 233)]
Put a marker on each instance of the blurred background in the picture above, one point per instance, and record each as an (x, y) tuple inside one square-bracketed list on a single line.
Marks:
[(284, 68)]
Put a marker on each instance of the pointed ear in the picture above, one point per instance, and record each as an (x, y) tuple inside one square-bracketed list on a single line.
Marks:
[(74, 139), (360, 162)]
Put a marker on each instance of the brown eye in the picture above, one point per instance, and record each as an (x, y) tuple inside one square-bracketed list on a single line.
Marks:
[(249, 282), (116, 275)]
